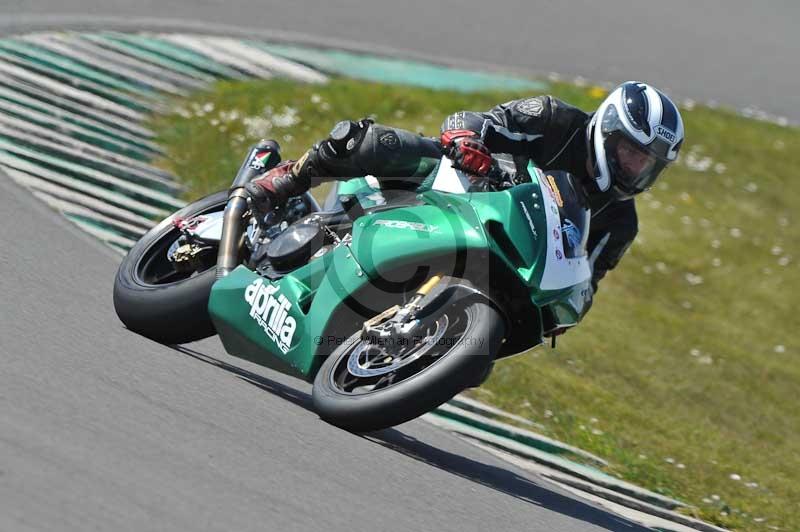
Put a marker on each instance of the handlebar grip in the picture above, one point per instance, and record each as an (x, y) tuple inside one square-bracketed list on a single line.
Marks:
[(501, 176)]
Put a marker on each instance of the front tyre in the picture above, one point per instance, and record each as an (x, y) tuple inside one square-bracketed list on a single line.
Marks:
[(363, 387), (155, 300)]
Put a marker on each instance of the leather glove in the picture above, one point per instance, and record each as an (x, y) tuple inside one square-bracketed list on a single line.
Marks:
[(467, 151)]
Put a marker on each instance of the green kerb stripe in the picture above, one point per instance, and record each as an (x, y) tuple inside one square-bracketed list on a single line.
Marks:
[(387, 70), (80, 111), (102, 140), (80, 186), (77, 82), (146, 194), (177, 53), (70, 66), (145, 55)]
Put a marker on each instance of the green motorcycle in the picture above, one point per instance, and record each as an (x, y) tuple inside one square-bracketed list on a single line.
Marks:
[(390, 302)]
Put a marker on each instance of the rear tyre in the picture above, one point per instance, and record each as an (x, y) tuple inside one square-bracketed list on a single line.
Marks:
[(361, 388), (155, 300)]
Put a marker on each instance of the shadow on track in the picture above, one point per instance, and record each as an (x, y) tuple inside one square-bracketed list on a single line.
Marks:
[(499, 479), (493, 477), (301, 399)]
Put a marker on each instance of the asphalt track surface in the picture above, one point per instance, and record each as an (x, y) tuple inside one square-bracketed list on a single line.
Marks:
[(735, 52), (102, 429)]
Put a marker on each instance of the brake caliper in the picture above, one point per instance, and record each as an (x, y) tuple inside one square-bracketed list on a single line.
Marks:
[(398, 322), (184, 252)]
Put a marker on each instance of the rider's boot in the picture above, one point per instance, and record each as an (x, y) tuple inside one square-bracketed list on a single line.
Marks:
[(336, 156)]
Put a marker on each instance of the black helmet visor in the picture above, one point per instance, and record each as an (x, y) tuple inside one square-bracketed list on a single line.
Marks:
[(634, 166)]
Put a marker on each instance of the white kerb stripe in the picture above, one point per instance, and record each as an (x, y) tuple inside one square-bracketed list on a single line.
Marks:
[(115, 198), (206, 47), (71, 208), (68, 91), (272, 63), (116, 70), (77, 198)]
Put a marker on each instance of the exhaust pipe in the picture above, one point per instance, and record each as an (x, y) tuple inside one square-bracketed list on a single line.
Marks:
[(232, 226)]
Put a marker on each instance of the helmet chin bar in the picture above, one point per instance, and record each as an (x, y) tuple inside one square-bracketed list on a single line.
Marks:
[(622, 195)]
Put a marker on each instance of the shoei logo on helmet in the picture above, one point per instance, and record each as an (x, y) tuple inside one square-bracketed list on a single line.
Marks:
[(665, 133)]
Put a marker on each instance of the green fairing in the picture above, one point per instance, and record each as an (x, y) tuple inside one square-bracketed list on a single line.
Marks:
[(242, 336), (446, 224), (442, 227), (506, 209), (360, 187)]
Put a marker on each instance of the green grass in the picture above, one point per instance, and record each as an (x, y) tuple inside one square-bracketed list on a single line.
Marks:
[(686, 371)]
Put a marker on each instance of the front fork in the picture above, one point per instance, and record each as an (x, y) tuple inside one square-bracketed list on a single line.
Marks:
[(260, 158), (397, 321), (435, 294)]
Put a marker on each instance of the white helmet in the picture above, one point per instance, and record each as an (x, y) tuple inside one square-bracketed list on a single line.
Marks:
[(640, 125)]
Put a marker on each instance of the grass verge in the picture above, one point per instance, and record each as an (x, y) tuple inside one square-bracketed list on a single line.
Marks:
[(685, 374)]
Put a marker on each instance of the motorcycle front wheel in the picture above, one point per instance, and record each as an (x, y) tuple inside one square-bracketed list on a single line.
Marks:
[(364, 386)]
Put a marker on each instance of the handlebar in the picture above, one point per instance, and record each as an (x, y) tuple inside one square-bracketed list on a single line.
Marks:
[(501, 176)]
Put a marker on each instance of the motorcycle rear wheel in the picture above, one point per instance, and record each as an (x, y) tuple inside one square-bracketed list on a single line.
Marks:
[(155, 300), (363, 392)]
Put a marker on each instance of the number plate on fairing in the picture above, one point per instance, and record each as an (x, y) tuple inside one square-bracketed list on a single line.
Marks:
[(566, 263)]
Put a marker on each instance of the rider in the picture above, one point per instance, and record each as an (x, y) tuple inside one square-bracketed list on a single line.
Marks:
[(615, 153)]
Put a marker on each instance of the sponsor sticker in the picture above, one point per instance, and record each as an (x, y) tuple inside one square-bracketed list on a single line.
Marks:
[(259, 159), (402, 224), (270, 309), (572, 233), (559, 255), (554, 191)]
